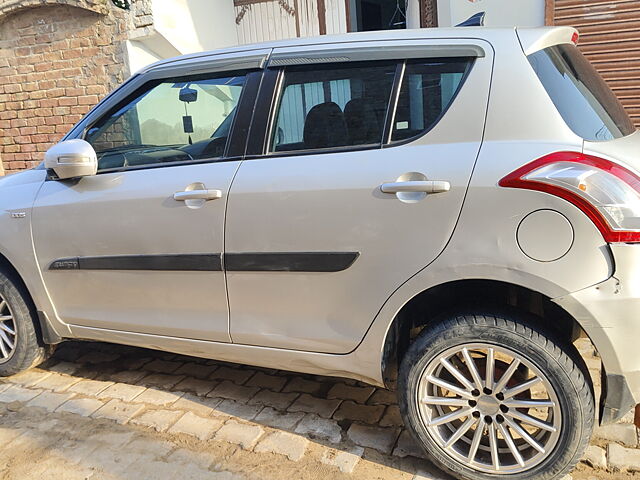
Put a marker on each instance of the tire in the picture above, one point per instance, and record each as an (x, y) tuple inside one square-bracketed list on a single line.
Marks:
[(562, 394), (20, 346)]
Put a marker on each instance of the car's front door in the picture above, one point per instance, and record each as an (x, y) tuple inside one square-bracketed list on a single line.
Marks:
[(137, 248), (332, 215)]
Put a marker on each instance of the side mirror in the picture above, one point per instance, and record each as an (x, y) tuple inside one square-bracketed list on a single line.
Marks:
[(71, 158)]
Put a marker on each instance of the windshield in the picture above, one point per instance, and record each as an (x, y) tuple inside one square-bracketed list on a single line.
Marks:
[(582, 97)]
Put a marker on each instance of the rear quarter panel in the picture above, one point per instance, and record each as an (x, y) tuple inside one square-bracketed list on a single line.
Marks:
[(522, 125)]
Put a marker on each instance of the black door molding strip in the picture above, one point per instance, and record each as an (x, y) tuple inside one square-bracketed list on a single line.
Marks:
[(197, 262), (213, 262), (289, 261)]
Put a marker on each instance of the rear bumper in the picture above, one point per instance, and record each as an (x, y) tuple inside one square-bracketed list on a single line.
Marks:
[(609, 312)]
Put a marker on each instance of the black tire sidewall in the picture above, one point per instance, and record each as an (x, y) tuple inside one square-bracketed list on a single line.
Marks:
[(28, 348), (546, 354)]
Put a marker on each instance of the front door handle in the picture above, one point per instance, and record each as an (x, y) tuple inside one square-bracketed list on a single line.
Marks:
[(424, 186), (204, 194)]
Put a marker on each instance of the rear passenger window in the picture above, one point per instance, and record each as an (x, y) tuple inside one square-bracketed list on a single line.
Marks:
[(332, 106), (428, 88)]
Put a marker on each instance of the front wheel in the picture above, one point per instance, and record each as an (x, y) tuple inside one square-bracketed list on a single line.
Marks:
[(20, 347), (490, 396)]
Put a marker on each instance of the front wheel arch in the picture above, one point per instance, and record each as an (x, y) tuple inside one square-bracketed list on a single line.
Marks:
[(44, 332), (23, 346)]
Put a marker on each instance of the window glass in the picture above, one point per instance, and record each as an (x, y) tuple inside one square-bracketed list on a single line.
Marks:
[(428, 88), (584, 100), (176, 120), (332, 106)]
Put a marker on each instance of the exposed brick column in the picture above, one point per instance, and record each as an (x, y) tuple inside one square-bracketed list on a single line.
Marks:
[(56, 62), (428, 13), (549, 12)]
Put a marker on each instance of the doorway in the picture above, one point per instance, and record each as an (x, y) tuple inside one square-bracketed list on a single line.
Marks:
[(369, 15)]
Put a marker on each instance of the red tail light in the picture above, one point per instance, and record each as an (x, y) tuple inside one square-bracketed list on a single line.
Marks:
[(608, 193)]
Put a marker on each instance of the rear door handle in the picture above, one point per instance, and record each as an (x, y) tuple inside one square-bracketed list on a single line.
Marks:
[(197, 195), (424, 186)]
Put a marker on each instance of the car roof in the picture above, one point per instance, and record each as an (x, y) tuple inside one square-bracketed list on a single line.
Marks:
[(485, 33)]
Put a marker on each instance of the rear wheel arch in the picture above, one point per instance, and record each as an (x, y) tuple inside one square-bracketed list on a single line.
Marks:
[(463, 296)]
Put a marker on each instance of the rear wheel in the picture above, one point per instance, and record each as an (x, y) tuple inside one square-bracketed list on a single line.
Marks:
[(489, 396), (20, 348)]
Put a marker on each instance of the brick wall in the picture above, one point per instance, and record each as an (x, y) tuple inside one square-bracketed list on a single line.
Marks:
[(56, 62)]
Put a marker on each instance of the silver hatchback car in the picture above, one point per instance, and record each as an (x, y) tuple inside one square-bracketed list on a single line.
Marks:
[(441, 211)]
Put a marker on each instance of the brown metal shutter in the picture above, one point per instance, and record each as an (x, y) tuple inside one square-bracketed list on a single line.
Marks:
[(610, 38)]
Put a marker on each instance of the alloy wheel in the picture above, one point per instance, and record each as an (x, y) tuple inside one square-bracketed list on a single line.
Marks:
[(8, 331), (489, 408)]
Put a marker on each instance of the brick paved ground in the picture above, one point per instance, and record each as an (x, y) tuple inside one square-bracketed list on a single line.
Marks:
[(112, 412)]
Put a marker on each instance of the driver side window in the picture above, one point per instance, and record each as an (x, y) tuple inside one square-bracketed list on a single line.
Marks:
[(174, 120)]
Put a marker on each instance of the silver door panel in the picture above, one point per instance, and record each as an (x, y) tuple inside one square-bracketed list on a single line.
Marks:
[(128, 214), (332, 203)]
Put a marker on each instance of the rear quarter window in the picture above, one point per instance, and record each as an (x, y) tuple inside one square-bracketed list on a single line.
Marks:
[(428, 88), (580, 95)]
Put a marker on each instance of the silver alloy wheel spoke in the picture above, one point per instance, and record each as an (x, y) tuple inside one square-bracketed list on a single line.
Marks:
[(449, 401), (6, 328), (452, 388), (471, 365), (522, 387), (8, 331), (450, 417), (490, 369), (483, 420), (535, 403), (511, 444), (535, 422), (456, 373), (5, 339), (525, 436), (493, 445), (464, 428), (506, 376), (475, 443)]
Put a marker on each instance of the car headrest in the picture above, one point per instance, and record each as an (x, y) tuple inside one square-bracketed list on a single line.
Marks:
[(325, 127), (363, 125)]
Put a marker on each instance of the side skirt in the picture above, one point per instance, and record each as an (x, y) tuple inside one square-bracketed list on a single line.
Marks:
[(349, 365)]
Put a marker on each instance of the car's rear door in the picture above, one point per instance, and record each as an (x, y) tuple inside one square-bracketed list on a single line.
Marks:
[(313, 245), (137, 247)]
